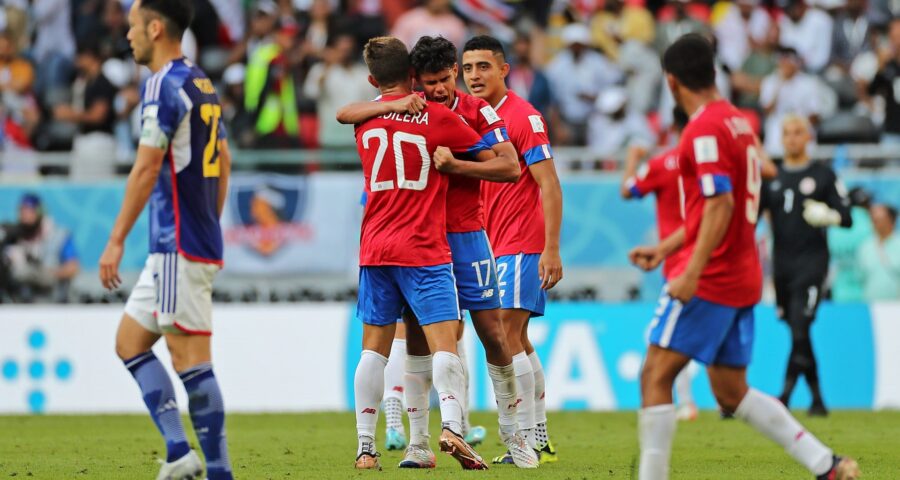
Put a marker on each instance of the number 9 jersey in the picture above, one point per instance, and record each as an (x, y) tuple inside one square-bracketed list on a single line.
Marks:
[(719, 154), (181, 114)]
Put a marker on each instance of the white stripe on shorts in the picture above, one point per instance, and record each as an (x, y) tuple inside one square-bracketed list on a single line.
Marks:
[(517, 283), (671, 320)]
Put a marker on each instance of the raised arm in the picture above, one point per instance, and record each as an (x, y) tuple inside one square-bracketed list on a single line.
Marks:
[(359, 112)]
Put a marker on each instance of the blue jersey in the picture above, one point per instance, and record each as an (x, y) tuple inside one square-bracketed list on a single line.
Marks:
[(181, 114)]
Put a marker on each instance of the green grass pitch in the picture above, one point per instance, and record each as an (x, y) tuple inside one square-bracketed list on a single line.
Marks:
[(322, 446)]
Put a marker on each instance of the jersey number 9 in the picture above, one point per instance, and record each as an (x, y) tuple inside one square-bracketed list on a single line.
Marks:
[(210, 113)]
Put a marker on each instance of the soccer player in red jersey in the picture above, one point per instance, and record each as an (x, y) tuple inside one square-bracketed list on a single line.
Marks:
[(661, 177), (523, 222), (706, 312), (405, 259), (434, 61)]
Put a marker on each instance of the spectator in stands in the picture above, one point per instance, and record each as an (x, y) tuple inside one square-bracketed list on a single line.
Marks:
[(744, 25), (682, 23), (19, 112), (364, 19), (263, 22), (788, 90), (54, 47), (91, 110), (884, 85), (851, 35), (112, 38), (16, 73), (43, 261), (615, 126), (619, 23), (338, 80), (577, 76), (528, 81), (270, 95), (879, 256), (319, 27), (239, 122), (844, 245), (16, 24), (762, 61), (808, 31), (434, 18)]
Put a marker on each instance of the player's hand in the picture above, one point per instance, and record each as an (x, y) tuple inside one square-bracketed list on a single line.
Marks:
[(646, 258), (683, 287), (411, 104), (444, 160), (818, 214), (550, 268), (109, 265)]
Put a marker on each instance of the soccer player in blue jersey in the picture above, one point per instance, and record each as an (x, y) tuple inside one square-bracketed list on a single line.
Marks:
[(182, 168)]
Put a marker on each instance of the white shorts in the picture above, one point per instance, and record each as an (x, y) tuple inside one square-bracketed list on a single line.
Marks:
[(173, 295)]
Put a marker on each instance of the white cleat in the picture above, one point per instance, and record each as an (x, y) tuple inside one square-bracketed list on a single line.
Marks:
[(418, 456), (687, 412), (522, 454), (188, 467)]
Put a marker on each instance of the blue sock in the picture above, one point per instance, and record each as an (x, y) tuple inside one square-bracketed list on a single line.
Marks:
[(208, 416), (159, 396)]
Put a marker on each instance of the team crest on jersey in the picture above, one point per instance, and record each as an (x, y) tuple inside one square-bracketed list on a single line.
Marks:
[(270, 211), (807, 185)]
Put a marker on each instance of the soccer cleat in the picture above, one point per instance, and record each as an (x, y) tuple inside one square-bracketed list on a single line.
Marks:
[(548, 454), (844, 468), (368, 461), (455, 446), (475, 435), (418, 456), (187, 467), (519, 452), (687, 412), (396, 440), (505, 459), (818, 410)]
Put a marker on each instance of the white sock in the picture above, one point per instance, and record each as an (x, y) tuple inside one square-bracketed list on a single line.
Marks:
[(461, 351), (418, 388), (368, 387), (449, 381), (767, 415), (656, 429), (683, 386), (525, 394), (393, 385), (504, 381), (541, 437)]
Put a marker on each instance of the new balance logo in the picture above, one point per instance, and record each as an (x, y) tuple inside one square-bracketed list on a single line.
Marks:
[(518, 401), (489, 293), (368, 410)]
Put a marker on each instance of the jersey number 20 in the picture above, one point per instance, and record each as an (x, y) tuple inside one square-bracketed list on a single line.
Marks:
[(210, 114), (397, 141)]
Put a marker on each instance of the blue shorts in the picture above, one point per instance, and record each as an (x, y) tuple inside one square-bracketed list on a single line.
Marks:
[(475, 270), (708, 332), (384, 291), (520, 286)]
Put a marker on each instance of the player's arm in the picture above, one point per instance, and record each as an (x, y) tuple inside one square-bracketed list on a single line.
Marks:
[(834, 211), (359, 112), (714, 224), (632, 184), (224, 174), (550, 265), (499, 164), (137, 191), (647, 258)]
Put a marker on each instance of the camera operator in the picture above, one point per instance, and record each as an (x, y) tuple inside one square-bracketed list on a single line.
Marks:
[(39, 256)]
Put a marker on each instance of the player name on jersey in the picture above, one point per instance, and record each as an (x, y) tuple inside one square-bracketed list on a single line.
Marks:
[(420, 118)]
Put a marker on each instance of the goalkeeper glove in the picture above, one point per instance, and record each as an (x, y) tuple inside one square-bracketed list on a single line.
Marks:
[(818, 214)]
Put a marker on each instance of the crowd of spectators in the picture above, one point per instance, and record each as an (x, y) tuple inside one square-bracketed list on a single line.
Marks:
[(283, 67)]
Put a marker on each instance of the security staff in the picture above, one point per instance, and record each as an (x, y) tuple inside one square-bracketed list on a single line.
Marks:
[(802, 201)]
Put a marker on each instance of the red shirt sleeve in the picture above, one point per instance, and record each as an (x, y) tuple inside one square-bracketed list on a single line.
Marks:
[(705, 150)]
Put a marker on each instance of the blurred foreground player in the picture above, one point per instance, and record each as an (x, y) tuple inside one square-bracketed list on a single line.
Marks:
[(803, 200), (182, 168), (523, 222), (706, 311), (660, 176), (405, 260)]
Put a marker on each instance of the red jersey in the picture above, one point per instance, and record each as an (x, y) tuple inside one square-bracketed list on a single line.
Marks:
[(719, 154), (404, 223), (464, 207), (514, 216), (661, 177)]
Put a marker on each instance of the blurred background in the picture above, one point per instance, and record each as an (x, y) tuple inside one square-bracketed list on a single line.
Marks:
[(69, 124)]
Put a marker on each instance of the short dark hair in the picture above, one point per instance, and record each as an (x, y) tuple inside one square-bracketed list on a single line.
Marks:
[(691, 60), (485, 42), (177, 15), (432, 55), (387, 59), (679, 117)]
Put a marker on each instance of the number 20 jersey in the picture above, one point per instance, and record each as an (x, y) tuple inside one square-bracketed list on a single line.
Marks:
[(405, 220), (719, 154), (181, 114)]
